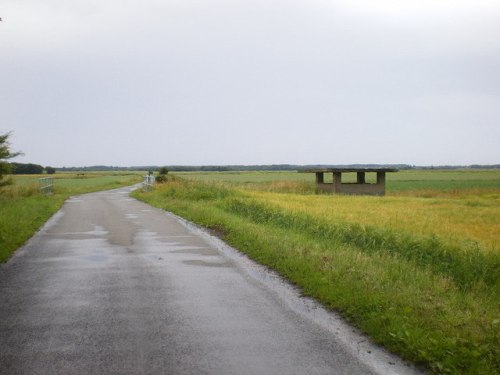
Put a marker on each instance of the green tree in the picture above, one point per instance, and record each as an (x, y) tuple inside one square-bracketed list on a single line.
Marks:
[(163, 171), (162, 175), (5, 154), (50, 170), (22, 168)]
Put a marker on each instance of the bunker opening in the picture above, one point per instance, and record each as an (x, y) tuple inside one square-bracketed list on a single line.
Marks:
[(355, 181)]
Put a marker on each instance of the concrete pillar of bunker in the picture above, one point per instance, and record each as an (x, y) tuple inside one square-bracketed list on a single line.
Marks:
[(361, 177), (380, 178), (319, 178), (337, 180), (381, 181)]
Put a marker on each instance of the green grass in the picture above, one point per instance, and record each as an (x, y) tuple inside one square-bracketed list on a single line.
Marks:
[(23, 210), (443, 180), (432, 300)]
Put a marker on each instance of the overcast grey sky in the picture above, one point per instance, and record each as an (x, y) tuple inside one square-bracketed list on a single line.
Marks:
[(139, 82)]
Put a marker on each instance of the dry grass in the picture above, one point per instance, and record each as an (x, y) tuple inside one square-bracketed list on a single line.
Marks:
[(458, 218)]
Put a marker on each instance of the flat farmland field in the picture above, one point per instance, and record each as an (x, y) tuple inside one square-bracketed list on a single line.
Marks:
[(402, 181), (76, 183), (417, 270)]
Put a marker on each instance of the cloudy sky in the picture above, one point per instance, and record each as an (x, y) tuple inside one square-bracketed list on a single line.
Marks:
[(138, 82)]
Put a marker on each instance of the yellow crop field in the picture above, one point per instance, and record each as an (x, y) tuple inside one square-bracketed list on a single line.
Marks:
[(465, 220)]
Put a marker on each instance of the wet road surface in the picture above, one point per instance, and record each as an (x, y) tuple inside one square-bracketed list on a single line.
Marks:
[(114, 286)]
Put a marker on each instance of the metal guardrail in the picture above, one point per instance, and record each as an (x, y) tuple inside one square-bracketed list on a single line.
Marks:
[(46, 185), (148, 183)]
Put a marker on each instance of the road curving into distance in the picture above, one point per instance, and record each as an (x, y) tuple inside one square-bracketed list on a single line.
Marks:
[(111, 285)]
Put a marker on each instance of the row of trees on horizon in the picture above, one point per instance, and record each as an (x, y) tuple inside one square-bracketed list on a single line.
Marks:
[(30, 168), (267, 167)]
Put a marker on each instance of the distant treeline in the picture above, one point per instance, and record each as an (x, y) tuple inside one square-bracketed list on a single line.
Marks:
[(267, 167), (29, 168)]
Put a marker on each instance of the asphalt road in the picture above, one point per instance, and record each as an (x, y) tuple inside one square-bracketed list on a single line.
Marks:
[(113, 286)]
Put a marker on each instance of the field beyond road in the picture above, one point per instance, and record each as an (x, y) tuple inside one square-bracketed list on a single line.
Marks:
[(418, 269)]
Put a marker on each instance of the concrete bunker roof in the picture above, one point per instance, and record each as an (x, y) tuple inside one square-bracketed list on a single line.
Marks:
[(348, 170)]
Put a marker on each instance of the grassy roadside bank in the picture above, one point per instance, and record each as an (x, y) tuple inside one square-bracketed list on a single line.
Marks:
[(426, 296), (23, 209)]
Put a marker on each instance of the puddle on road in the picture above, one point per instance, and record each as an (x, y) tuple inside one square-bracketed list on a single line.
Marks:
[(198, 262), (153, 257), (98, 231), (74, 200), (170, 241), (197, 251), (96, 258)]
